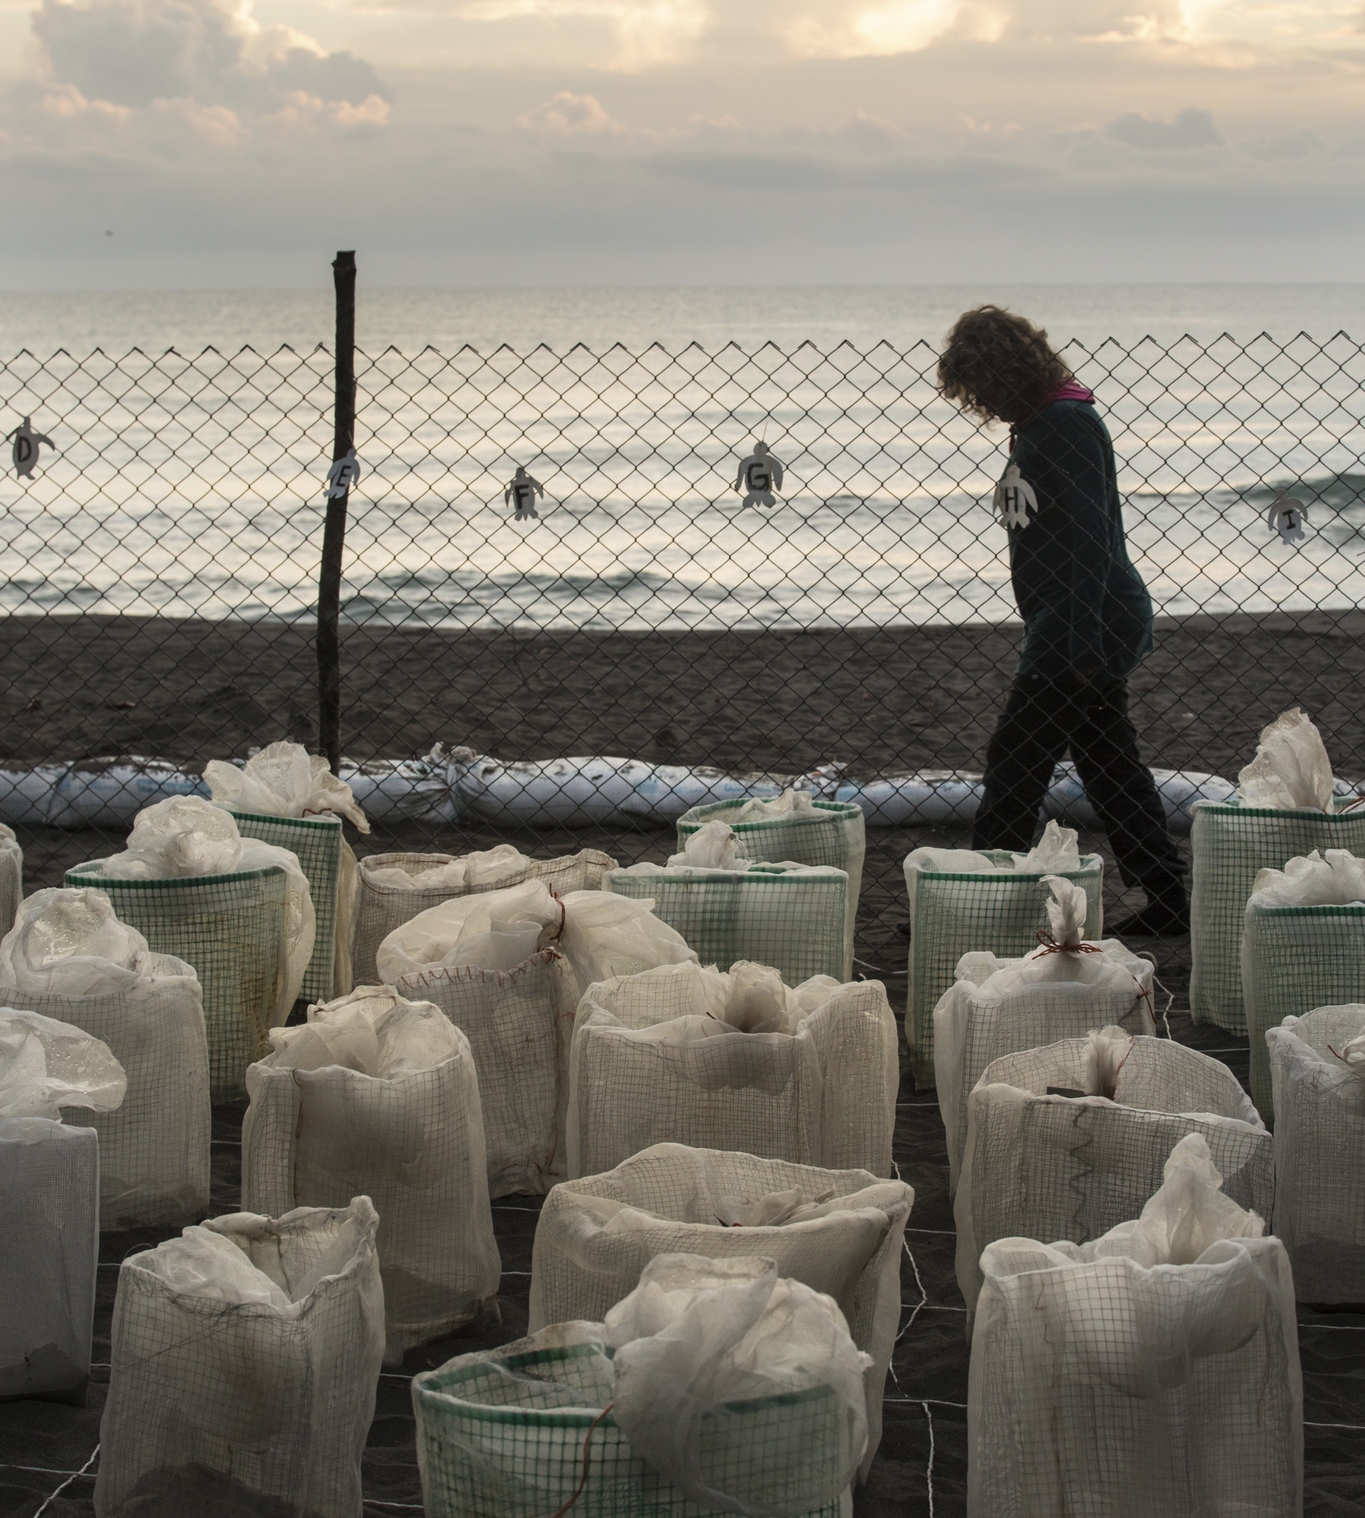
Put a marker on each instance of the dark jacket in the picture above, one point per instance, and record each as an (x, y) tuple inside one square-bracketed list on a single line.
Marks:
[(1084, 605)]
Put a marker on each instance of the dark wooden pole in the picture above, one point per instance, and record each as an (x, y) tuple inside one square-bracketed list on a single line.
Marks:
[(334, 532)]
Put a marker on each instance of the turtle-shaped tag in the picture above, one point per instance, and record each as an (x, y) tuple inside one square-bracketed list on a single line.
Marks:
[(342, 476), (759, 475), (1288, 516), (522, 491), (26, 444), (1014, 498)]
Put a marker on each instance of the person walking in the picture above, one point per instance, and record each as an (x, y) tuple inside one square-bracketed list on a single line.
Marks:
[(1087, 615)]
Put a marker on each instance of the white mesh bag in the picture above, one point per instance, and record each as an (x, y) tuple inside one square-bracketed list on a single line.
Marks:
[(394, 888), (1303, 946), (790, 916), (68, 957), (1042, 1160), (238, 910), (1000, 1006), (49, 1203), (377, 1096), (11, 877), (713, 1387), (794, 828), (738, 1061), (1317, 1063), (965, 902), (838, 1231), (244, 1357), (1153, 1371), (501, 966), (286, 796)]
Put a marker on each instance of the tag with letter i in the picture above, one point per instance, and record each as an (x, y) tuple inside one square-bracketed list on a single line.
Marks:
[(1014, 498)]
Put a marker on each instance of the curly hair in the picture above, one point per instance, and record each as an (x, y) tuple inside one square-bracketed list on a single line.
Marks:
[(997, 366)]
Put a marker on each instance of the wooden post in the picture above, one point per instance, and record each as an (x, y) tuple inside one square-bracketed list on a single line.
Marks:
[(334, 532)]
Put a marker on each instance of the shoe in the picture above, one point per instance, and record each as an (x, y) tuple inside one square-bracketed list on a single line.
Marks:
[(1158, 919)]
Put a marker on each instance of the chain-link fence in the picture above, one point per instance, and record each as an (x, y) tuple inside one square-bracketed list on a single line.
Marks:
[(161, 562)]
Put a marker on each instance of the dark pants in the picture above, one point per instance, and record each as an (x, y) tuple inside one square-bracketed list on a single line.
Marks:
[(1044, 718)]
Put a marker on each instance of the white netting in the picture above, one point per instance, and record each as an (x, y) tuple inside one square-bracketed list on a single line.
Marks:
[(11, 877), (1317, 1064), (1154, 1371), (377, 1096), (737, 1061), (68, 957), (395, 888), (838, 1231), (244, 1357), (1068, 1141)]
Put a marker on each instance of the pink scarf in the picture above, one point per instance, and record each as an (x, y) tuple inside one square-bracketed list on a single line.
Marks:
[(1068, 390)]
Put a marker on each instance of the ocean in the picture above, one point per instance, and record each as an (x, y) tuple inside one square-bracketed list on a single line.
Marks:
[(192, 435)]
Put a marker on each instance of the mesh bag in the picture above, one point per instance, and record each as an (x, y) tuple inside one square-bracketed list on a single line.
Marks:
[(1293, 960), (518, 1023), (329, 865), (387, 901), (1154, 1371), (230, 928), (681, 1054), (1231, 844), (838, 1231), (377, 1096), (975, 1024), (49, 1214), (1320, 1153), (1052, 1166), (244, 1358), (790, 916), (993, 911), (11, 877)]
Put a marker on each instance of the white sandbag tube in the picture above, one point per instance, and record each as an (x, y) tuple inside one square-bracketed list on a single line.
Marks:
[(1067, 1141), (244, 1357), (794, 828), (239, 911), (715, 1386), (1285, 808), (1061, 990), (838, 1231), (1317, 1065), (49, 1203), (508, 968), (68, 957), (286, 796), (377, 1096), (1303, 946), (11, 877), (1155, 1370), (790, 916), (395, 888), (736, 1061), (964, 901)]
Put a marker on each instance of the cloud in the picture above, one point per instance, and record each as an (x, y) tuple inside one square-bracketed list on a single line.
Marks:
[(644, 31), (567, 114), (1192, 128), (1292, 145)]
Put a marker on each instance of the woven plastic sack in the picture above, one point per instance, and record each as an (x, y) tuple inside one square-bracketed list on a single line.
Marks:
[(238, 911), (737, 1061), (715, 1386), (794, 828), (965, 902), (1317, 1064), (1153, 1371), (377, 1096), (244, 1360), (69, 958), (790, 916), (395, 888), (1045, 1164), (1303, 946), (11, 877), (838, 1231), (49, 1203)]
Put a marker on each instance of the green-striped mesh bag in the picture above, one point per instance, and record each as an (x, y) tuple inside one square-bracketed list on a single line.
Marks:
[(994, 911), (1295, 960), (511, 1432), (327, 861), (799, 831), (231, 928), (1231, 844), (788, 916)]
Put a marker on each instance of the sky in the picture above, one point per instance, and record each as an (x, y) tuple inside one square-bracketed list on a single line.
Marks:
[(237, 143)]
